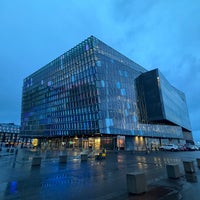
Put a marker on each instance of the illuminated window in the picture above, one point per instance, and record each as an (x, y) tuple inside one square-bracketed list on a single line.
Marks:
[(123, 92), (98, 63), (102, 83), (118, 85)]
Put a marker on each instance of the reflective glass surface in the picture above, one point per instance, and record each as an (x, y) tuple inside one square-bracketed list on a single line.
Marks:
[(160, 102), (174, 102), (89, 90), (61, 98)]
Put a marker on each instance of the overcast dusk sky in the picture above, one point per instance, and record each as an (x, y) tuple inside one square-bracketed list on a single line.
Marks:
[(162, 34)]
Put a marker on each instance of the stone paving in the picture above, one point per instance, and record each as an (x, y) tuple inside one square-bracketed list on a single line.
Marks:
[(93, 179)]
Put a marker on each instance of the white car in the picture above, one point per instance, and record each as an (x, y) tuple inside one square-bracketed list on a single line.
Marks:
[(191, 147), (169, 147)]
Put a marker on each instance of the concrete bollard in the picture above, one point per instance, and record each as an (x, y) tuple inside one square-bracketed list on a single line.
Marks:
[(198, 162), (36, 161), (84, 157), (173, 170), (136, 182), (62, 158), (188, 166)]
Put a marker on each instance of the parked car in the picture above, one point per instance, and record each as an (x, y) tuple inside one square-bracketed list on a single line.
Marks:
[(198, 146), (182, 148), (191, 147), (169, 147)]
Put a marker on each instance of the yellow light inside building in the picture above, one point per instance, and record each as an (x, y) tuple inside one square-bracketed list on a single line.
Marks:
[(35, 142), (136, 139)]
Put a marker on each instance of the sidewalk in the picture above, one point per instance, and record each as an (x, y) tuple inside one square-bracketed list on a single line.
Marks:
[(96, 180)]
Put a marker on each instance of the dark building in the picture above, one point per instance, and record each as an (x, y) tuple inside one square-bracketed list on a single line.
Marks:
[(9, 134), (161, 103), (93, 96)]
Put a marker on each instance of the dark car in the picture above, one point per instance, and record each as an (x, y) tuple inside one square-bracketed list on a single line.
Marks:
[(182, 148)]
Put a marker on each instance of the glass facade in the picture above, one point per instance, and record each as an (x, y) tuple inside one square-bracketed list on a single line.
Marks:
[(174, 103), (61, 98), (150, 106), (115, 75), (89, 90), (160, 102)]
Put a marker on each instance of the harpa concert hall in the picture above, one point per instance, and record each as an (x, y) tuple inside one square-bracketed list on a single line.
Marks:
[(92, 96)]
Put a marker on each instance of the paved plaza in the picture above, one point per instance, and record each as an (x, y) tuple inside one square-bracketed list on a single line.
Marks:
[(93, 179)]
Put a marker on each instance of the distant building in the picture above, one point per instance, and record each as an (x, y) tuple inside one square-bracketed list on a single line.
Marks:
[(93, 96), (9, 133)]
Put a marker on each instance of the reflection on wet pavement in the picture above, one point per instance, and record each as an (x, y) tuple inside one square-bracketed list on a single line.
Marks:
[(75, 179)]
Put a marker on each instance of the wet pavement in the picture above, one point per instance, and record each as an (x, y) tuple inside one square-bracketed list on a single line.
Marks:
[(93, 179)]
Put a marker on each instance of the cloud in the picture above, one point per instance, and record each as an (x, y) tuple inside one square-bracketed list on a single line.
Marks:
[(155, 34), (164, 35)]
